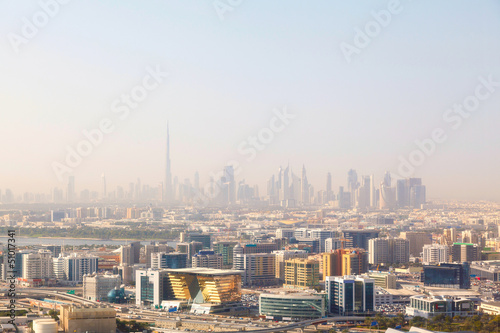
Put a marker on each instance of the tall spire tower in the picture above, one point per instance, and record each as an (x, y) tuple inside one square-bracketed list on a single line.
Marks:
[(168, 174), (104, 191)]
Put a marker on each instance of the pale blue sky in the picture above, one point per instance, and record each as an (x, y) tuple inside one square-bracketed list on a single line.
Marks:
[(227, 76)]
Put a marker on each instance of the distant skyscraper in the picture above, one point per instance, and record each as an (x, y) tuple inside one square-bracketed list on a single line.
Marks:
[(279, 184), (410, 192), (305, 187), (387, 196), (70, 194), (387, 179), (329, 191), (104, 191), (402, 195), (196, 181), (228, 185), (285, 184), (363, 193), (296, 189), (273, 191), (417, 196), (373, 191), (352, 184), (168, 174), (138, 189)]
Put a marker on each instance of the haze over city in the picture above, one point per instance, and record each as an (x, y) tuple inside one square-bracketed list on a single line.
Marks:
[(263, 166), (228, 71)]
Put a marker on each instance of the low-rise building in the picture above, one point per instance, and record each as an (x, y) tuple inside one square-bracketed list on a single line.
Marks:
[(383, 279), (489, 270), (492, 308), (97, 286), (207, 290), (446, 275), (292, 305), (392, 296), (87, 319), (428, 307)]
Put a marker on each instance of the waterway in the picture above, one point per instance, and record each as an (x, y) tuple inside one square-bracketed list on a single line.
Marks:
[(24, 241)]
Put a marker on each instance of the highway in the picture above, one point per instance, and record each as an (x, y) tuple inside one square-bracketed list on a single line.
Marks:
[(303, 324), (61, 294), (228, 323)]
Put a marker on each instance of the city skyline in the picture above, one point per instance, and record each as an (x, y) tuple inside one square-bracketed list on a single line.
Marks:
[(231, 165), (284, 189), (166, 187)]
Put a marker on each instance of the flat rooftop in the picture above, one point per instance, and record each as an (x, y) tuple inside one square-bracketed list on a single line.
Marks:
[(496, 304), (434, 291), (204, 271), (293, 296), (402, 292)]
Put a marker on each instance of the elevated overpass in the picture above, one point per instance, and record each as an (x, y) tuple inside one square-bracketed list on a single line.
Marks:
[(303, 324), (33, 291)]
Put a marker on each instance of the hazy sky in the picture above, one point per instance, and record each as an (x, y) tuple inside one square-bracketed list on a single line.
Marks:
[(226, 77)]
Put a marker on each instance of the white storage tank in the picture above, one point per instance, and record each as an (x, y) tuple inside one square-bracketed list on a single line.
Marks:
[(45, 325)]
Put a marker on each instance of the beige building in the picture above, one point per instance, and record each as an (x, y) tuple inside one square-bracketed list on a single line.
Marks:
[(38, 265), (284, 255), (492, 308), (258, 268), (150, 249), (388, 251), (417, 241), (87, 319), (301, 273), (96, 287), (207, 259), (384, 280)]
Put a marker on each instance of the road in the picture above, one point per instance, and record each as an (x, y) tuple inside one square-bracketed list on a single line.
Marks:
[(304, 324)]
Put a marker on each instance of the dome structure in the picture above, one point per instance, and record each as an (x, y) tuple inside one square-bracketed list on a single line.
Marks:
[(116, 295)]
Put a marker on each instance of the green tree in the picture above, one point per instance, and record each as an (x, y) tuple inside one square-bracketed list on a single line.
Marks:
[(54, 314), (122, 326)]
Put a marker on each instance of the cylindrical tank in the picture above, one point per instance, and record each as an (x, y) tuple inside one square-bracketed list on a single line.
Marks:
[(45, 325)]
